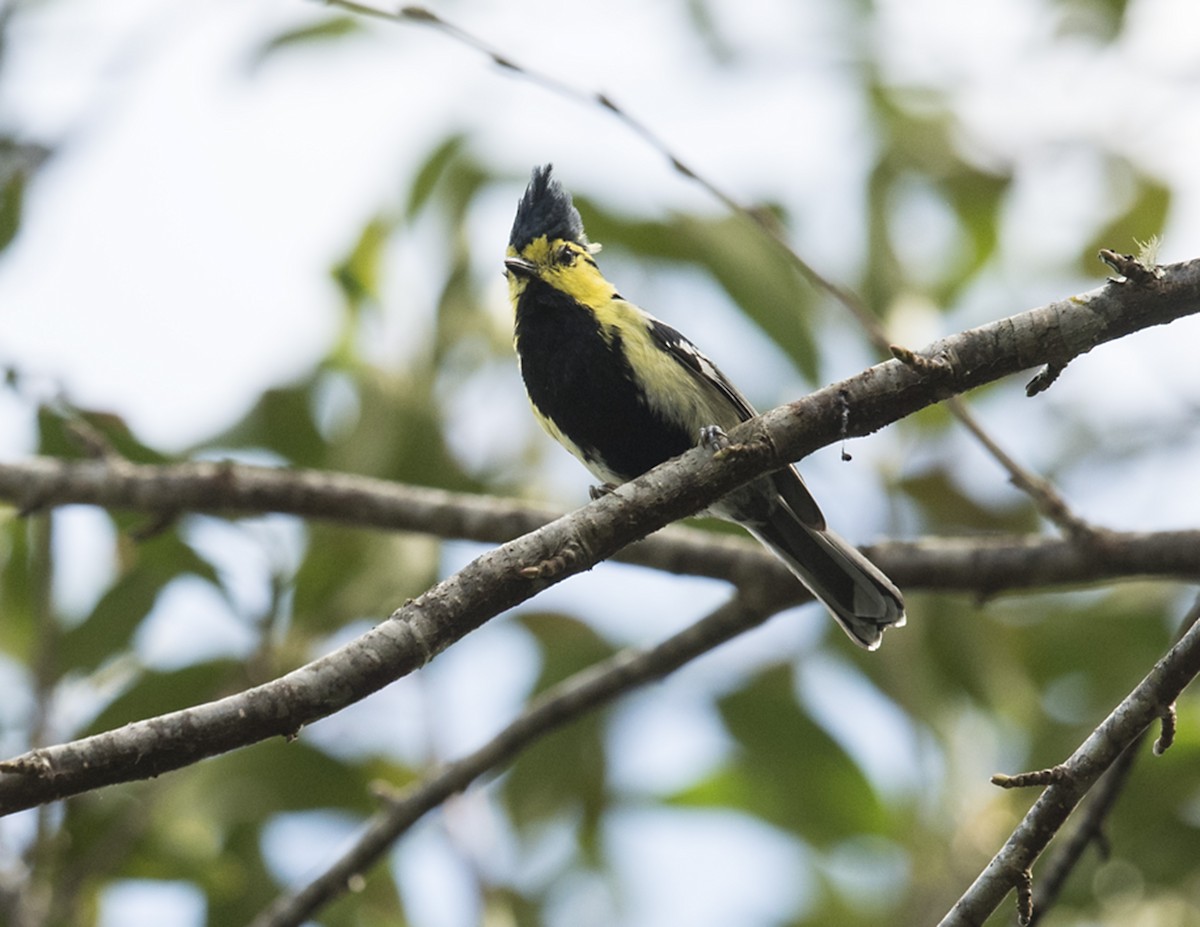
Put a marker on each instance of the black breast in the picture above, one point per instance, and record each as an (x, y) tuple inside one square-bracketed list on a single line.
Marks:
[(585, 386)]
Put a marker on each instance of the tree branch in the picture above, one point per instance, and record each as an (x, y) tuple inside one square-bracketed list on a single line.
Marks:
[(512, 573), (1131, 269), (990, 564), (586, 691), (1009, 868), (1090, 829), (983, 565), (1045, 497)]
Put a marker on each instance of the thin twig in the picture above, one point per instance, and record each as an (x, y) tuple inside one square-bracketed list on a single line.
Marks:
[(1161, 686), (1166, 738), (1038, 778), (1102, 799), (1052, 876), (421, 16), (1047, 499)]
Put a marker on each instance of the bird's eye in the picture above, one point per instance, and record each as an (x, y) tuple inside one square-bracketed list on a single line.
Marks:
[(566, 255)]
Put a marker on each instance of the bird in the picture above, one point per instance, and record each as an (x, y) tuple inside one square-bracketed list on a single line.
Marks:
[(624, 392)]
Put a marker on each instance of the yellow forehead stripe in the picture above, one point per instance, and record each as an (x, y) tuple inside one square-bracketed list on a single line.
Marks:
[(537, 251)]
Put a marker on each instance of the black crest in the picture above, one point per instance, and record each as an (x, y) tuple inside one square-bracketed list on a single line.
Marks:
[(546, 209)]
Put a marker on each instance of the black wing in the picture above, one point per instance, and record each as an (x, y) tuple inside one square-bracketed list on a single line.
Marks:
[(787, 482), (692, 359)]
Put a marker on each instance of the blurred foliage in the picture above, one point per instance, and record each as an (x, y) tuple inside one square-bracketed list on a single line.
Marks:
[(792, 751), (1009, 684), (563, 775)]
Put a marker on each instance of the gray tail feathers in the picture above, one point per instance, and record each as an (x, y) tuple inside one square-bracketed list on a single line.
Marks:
[(861, 598)]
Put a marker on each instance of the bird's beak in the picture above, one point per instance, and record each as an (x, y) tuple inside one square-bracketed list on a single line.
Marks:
[(520, 267)]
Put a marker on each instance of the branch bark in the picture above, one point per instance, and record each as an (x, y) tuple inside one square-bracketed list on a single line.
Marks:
[(1052, 878), (983, 565), (510, 574)]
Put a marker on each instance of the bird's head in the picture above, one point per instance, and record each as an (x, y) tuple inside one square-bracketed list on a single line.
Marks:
[(547, 243)]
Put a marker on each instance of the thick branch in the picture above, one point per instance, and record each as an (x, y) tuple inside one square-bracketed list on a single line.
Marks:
[(226, 488), (510, 574), (1049, 335), (993, 564), (981, 565)]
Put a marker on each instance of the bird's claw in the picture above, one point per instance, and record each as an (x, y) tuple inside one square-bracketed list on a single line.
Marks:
[(713, 438)]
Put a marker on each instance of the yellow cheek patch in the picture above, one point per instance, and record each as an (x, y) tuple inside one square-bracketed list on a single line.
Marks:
[(582, 282), (516, 286), (580, 279)]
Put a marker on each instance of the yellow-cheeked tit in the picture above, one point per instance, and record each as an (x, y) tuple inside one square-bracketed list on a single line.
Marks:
[(624, 392)]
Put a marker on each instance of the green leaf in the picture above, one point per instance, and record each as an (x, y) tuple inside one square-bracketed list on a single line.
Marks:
[(1097, 19), (790, 772), (566, 645), (237, 883), (280, 421), (18, 579), (946, 506), (761, 279), (1143, 218), (565, 773), (350, 574), (431, 171), (315, 33), (357, 274), (977, 198), (314, 780), (12, 197), (377, 904), (109, 628), (956, 654), (461, 181), (76, 434)]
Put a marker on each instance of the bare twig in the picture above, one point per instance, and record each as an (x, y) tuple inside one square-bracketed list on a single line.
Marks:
[(1167, 737), (1103, 797), (1047, 499), (1038, 777), (1130, 268), (935, 367), (1024, 888), (1090, 829), (1099, 752)]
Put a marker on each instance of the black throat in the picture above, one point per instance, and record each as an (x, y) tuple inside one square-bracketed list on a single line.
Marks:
[(583, 383)]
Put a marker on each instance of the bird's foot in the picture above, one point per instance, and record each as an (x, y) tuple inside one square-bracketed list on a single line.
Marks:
[(555, 565), (713, 438)]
